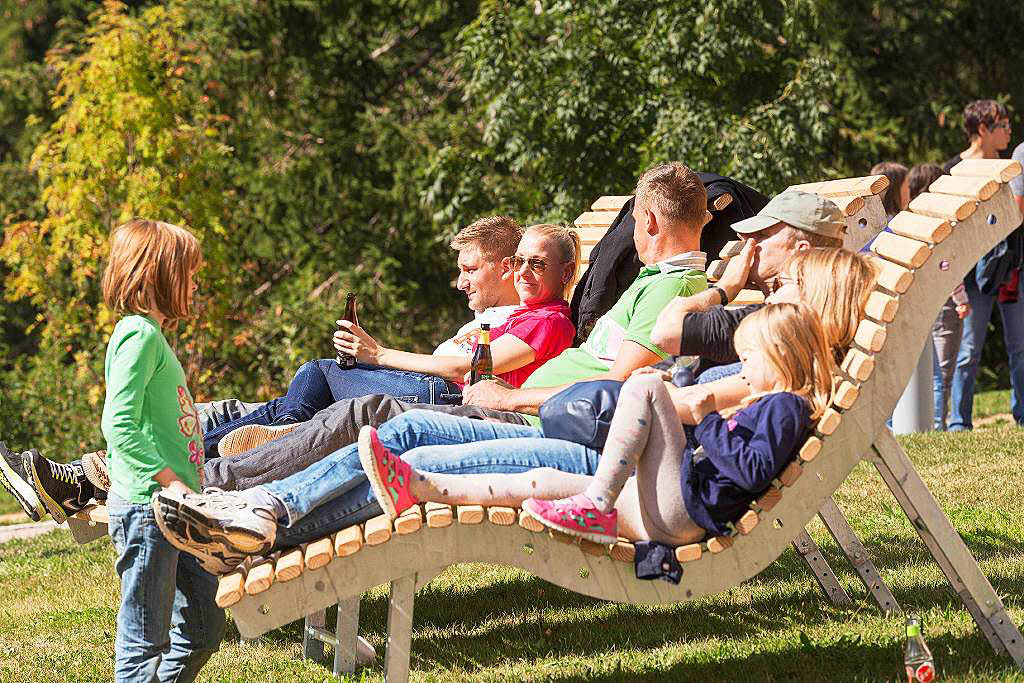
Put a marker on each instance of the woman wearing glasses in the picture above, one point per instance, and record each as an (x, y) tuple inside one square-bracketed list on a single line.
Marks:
[(536, 331)]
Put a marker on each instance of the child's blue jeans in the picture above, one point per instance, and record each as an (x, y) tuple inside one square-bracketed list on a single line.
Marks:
[(168, 626)]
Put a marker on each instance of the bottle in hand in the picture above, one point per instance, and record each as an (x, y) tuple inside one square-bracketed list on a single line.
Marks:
[(346, 361), (482, 366), (917, 658)]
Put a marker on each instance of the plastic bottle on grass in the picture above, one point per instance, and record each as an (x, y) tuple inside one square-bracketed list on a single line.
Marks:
[(917, 658)]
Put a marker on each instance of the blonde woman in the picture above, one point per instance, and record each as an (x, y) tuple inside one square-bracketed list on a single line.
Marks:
[(675, 496)]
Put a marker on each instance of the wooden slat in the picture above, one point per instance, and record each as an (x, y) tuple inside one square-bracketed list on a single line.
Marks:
[(881, 306), (94, 512), (470, 514), (260, 577), (348, 541), (789, 475), (858, 365), (769, 498), (715, 270), (858, 187), (409, 521), (562, 537), (892, 276), (289, 565), (591, 548), (319, 553), (719, 543), (1002, 169), (721, 201), (594, 219), (612, 202), (529, 522), (925, 228), (747, 297), (439, 515), (870, 336), (849, 205), (902, 250), (502, 516), (809, 451), (377, 530), (230, 588), (731, 249), (585, 250), (829, 422), (976, 187), (946, 206), (690, 552), (623, 551), (846, 395), (747, 522), (591, 235)]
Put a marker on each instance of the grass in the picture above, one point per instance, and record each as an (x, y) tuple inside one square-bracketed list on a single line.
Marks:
[(487, 623)]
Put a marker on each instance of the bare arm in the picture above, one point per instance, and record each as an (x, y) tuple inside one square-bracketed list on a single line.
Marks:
[(692, 403)]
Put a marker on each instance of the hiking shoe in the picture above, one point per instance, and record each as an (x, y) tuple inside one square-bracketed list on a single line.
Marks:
[(251, 436), (576, 516), (95, 467), (213, 555), (220, 521), (388, 474), (18, 482), (61, 487)]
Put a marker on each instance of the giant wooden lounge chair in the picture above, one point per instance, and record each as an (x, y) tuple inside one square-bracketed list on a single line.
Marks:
[(930, 248)]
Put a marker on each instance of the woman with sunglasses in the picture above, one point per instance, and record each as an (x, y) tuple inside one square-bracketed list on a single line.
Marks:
[(544, 268)]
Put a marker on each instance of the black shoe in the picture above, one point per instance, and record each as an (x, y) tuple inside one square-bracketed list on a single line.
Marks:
[(63, 488), (18, 482)]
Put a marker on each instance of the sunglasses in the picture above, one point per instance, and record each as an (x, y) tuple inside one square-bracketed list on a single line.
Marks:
[(537, 265)]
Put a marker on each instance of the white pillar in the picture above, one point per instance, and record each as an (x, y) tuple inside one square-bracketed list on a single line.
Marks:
[(915, 411)]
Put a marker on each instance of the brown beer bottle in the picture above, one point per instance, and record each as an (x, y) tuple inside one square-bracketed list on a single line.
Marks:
[(346, 361), (482, 367)]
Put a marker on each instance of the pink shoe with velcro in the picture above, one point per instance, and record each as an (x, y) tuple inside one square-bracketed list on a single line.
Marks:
[(388, 474), (576, 516)]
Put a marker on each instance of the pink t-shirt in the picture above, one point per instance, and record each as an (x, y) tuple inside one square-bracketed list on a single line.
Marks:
[(546, 327)]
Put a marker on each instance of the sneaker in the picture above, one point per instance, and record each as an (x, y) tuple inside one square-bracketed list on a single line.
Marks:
[(18, 482), (576, 516), (388, 474), (218, 521), (213, 555), (95, 467), (250, 436), (62, 488)]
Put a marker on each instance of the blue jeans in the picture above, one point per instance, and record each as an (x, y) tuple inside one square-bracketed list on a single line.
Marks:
[(719, 372), (334, 493), (168, 625), (975, 330), (320, 383)]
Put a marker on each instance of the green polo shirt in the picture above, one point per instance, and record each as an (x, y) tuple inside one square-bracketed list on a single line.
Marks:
[(632, 319)]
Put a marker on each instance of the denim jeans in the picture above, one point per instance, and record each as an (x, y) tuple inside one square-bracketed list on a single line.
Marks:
[(216, 413), (975, 330), (168, 625), (946, 334), (320, 383), (719, 372), (334, 493)]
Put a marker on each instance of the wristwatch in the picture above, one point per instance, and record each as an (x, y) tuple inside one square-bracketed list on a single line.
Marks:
[(721, 293)]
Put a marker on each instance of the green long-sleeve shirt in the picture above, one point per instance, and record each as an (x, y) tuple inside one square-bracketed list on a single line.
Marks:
[(149, 420)]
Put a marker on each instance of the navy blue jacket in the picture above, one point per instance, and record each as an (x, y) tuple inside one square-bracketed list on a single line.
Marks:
[(742, 455)]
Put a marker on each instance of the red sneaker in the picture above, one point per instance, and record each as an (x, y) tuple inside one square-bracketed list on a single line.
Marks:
[(388, 474), (576, 516)]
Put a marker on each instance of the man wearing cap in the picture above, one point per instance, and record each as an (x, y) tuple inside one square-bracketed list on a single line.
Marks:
[(701, 325)]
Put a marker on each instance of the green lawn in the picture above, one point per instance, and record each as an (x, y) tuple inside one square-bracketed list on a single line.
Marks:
[(485, 623)]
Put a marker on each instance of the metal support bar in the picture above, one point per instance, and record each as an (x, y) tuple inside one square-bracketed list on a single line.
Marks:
[(946, 546), (820, 568), (315, 635), (400, 607), (836, 523)]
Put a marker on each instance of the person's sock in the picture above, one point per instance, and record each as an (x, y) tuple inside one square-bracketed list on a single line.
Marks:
[(260, 497)]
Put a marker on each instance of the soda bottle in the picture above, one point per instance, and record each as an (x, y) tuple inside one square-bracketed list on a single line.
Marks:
[(482, 366), (917, 658), (346, 361)]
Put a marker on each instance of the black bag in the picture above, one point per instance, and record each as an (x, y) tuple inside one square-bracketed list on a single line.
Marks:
[(581, 413), (996, 266)]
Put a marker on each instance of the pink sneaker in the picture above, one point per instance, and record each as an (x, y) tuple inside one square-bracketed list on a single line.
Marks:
[(388, 474), (576, 516)]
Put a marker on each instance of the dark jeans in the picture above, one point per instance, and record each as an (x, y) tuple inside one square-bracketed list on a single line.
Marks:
[(320, 383), (329, 430)]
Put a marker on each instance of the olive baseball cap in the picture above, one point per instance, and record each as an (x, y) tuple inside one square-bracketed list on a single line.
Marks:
[(802, 210)]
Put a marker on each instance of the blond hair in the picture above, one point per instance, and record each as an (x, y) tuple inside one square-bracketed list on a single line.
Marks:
[(793, 341), (567, 246), (836, 284), (675, 191), (149, 269), (495, 236)]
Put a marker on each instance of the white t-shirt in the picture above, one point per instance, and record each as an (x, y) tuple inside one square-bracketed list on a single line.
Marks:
[(462, 343)]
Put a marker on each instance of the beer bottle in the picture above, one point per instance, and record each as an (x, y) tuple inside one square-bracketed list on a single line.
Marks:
[(346, 361), (482, 367)]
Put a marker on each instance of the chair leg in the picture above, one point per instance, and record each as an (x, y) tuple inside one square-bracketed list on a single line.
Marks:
[(836, 523), (820, 568), (400, 607), (312, 646), (346, 631), (946, 546)]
